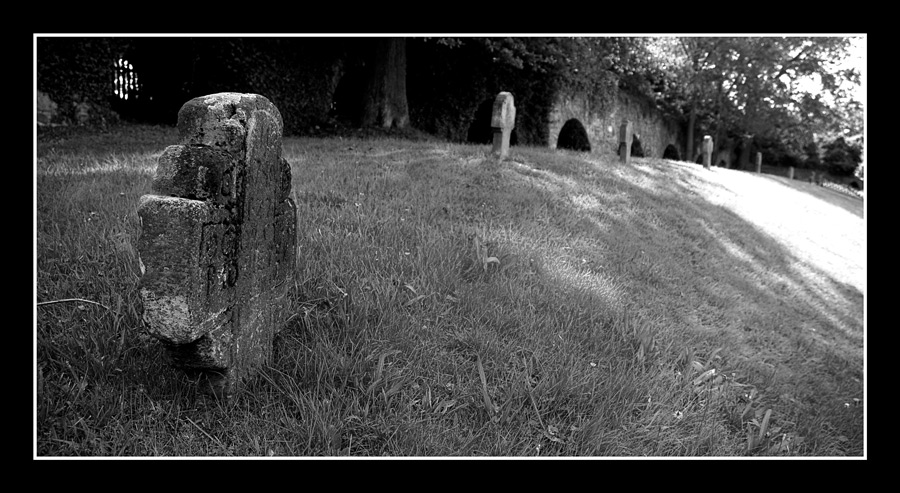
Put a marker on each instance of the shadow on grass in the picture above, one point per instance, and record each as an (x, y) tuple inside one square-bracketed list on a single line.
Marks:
[(596, 264), (572, 234), (719, 275)]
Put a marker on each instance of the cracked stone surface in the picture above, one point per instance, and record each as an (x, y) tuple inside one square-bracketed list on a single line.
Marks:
[(218, 238)]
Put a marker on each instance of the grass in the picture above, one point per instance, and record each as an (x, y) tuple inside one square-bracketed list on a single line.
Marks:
[(556, 304)]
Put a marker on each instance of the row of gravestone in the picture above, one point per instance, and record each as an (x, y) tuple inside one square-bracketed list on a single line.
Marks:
[(218, 237)]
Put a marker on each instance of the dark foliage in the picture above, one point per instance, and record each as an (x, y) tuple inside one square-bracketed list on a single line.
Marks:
[(449, 81), (811, 158), (841, 158), (319, 84), (299, 75), (73, 71)]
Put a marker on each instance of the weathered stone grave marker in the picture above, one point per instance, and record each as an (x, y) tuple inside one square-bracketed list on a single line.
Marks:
[(218, 238), (626, 137), (707, 151), (759, 162), (791, 173), (503, 119)]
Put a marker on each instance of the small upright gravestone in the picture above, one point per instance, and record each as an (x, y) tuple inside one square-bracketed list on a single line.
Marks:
[(707, 151), (218, 238), (626, 136), (759, 162), (791, 173), (503, 119)]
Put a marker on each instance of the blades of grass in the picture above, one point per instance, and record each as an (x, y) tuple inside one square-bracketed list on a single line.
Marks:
[(713, 356), (394, 388), (765, 425), (215, 440), (69, 300), (380, 368), (484, 392), (534, 405), (704, 376), (413, 300)]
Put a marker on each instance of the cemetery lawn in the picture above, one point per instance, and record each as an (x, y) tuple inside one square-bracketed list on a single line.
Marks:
[(555, 304)]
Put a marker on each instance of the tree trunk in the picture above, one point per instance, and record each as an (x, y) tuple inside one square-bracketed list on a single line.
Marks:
[(385, 96), (744, 161), (717, 144)]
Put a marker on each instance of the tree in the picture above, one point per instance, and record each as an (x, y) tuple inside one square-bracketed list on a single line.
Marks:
[(841, 158), (752, 87), (763, 81), (384, 103), (812, 160)]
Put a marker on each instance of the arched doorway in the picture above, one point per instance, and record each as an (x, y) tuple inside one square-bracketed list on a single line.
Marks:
[(671, 153), (573, 136)]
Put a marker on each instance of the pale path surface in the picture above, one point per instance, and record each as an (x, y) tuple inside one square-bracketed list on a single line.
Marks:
[(819, 233)]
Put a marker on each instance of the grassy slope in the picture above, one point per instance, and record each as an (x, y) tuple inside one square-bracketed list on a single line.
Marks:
[(450, 305)]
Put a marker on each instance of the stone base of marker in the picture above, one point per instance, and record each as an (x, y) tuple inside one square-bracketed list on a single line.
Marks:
[(707, 151), (218, 239), (626, 138), (503, 120)]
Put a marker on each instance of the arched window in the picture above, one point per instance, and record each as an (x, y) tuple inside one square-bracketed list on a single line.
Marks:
[(125, 80)]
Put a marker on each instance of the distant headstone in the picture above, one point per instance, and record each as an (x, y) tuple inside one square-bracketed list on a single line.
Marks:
[(759, 162), (503, 119), (791, 173), (626, 136), (46, 109), (218, 238), (707, 151)]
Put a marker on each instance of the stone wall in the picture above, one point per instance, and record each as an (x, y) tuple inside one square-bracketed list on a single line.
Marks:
[(654, 131)]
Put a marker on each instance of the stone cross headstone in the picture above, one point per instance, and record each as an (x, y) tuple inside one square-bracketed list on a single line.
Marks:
[(707, 151), (759, 162), (626, 136), (503, 119), (791, 173), (218, 239)]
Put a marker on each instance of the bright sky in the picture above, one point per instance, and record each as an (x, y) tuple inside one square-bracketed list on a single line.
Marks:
[(857, 59)]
